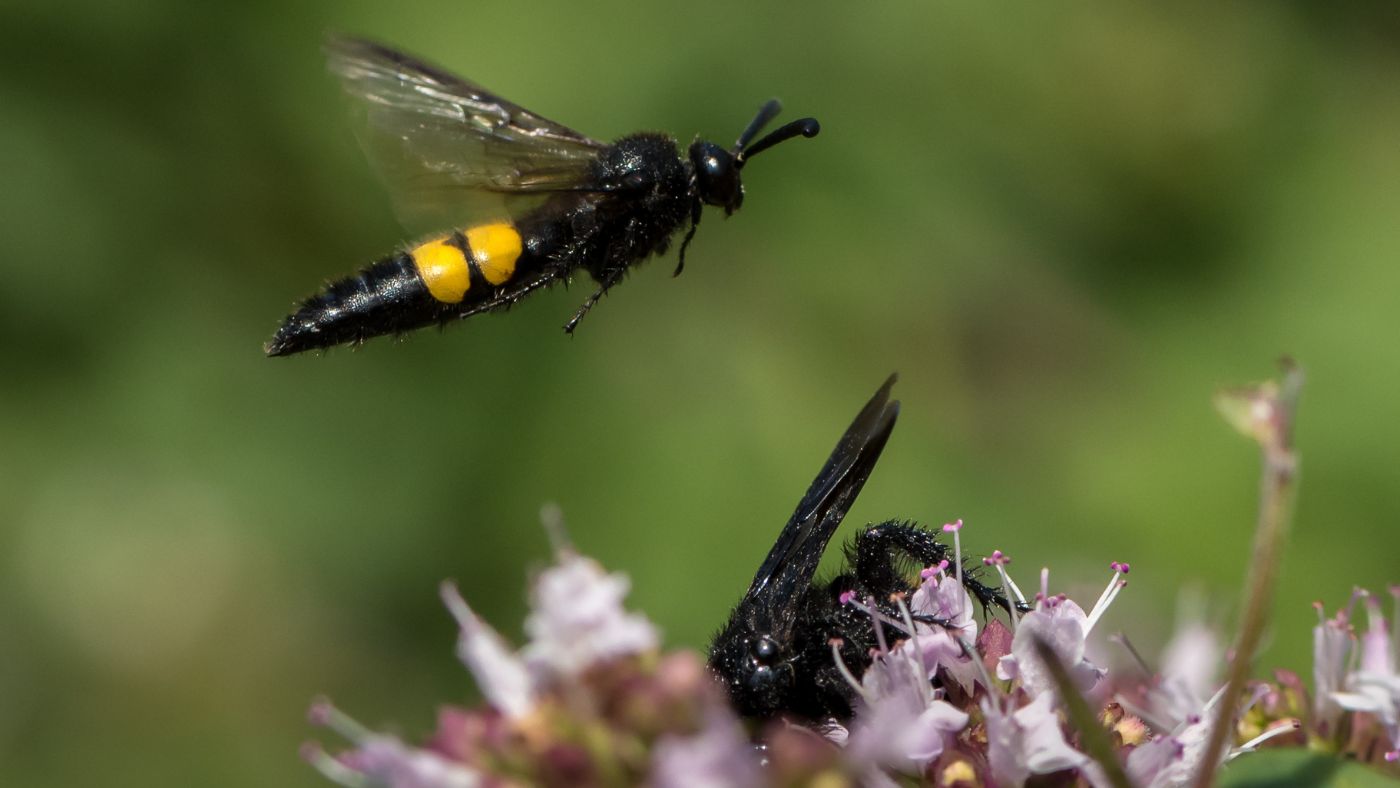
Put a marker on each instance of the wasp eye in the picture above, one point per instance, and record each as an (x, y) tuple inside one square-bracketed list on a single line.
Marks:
[(713, 167), (762, 677), (769, 679), (716, 175), (765, 649)]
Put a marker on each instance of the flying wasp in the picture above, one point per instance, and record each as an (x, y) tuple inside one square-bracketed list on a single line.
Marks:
[(774, 655), (532, 202)]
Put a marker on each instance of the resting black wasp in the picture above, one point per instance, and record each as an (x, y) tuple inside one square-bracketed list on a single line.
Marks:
[(774, 655), (534, 201)]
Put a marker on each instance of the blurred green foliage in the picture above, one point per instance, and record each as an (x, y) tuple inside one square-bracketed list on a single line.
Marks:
[(1299, 768), (1064, 227)]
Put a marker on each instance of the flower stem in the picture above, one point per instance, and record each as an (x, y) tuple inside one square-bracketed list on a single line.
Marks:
[(1092, 737), (1271, 411)]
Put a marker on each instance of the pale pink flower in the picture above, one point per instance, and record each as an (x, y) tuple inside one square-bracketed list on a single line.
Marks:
[(388, 761), (1062, 625), (1375, 686), (1188, 674), (900, 722), (499, 673), (1174, 759), (1333, 641), (1176, 762), (1150, 764), (1027, 741), (577, 620), (943, 597), (382, 760), (835, 732), (1180, 711), (720, 755)]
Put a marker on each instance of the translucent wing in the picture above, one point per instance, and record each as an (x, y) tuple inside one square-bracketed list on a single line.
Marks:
[(450, 151)]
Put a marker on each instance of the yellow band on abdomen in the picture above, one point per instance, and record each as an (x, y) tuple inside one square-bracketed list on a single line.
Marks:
[(444, 270), (495, 248)]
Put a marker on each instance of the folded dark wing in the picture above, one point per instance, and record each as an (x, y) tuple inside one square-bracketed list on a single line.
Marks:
[(793, 560)]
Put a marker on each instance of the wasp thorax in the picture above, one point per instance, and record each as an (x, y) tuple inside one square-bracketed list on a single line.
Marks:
[(717, 175)]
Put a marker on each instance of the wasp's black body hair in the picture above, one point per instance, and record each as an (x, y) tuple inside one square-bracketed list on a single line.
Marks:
[(518, 202), (775, 653)]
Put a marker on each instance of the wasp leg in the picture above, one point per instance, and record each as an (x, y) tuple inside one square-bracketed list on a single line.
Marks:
[(609, 279), (694, 223), (873, 555)]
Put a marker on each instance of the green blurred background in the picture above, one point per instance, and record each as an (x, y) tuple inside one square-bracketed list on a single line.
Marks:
[(1064, 227)]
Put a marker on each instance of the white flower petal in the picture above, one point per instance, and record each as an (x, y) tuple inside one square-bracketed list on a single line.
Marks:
[(1375, 687), (1045, 747), (1332, 644), (499, 673), (1063, 627), (577, 619), (926, 737), (1028, 741), (387, 760), (719, 756), (899, 724), (948, 601), (1189, 665), (1151, 764)]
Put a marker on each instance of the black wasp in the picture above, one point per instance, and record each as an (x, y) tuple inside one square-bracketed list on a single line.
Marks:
[(533, 201), (774, 654)]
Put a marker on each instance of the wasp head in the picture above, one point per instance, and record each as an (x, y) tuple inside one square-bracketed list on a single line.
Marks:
[(717, 170), (717, 176), (757, 669)]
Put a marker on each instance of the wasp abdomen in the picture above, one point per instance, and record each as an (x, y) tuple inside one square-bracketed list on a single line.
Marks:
[(425, 285), (369, 303)]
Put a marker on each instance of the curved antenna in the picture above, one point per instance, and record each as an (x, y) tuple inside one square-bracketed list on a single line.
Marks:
[(766, 113), (805, 127)]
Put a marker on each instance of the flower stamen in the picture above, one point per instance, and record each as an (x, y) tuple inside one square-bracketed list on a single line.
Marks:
[(1146, 716), (332, 769), (841, 667), (1000, 560), (324, 713), (879, 630), (953, 528), (1122, 640), (1279, 729), (1115, 586), (848, 598), (916, 657)]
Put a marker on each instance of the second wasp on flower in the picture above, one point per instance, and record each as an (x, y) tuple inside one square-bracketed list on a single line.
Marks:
[(516, 202)]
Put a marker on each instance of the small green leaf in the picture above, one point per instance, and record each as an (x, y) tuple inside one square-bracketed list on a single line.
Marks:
[(1295, 767)]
